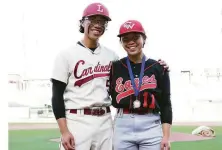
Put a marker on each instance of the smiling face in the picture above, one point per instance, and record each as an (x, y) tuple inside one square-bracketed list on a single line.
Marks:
[(132, 43), (94, 26)]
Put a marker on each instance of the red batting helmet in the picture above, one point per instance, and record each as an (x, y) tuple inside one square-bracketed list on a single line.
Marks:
[(96, 9), (131, 26)]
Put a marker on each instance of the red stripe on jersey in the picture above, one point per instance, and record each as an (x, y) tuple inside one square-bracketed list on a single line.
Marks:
[(89, 78), (124, 64), (150, 66)]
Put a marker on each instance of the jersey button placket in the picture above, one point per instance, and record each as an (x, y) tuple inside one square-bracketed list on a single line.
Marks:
[(134, 68)]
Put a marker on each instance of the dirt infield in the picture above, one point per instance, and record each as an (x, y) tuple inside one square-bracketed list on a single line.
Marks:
[(29, 126), (179, 137)]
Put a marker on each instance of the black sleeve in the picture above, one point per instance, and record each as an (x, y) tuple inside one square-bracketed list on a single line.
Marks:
[(166, 107), (58, 105)]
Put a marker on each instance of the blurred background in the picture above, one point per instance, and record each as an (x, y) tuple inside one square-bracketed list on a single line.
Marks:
[(185, 34)]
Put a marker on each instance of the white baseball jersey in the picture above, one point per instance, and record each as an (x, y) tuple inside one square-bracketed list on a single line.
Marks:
[(86, 74)]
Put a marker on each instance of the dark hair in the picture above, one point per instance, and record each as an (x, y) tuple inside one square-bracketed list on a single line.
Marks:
[(81, 28), (144, 36)]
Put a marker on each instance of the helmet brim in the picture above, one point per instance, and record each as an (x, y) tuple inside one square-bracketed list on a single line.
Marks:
[(108, 18), (119, 35)]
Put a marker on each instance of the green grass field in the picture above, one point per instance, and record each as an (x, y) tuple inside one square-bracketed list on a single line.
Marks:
[(39, 140)]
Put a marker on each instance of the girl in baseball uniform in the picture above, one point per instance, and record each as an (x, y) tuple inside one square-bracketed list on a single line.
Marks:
[(140, 90)]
